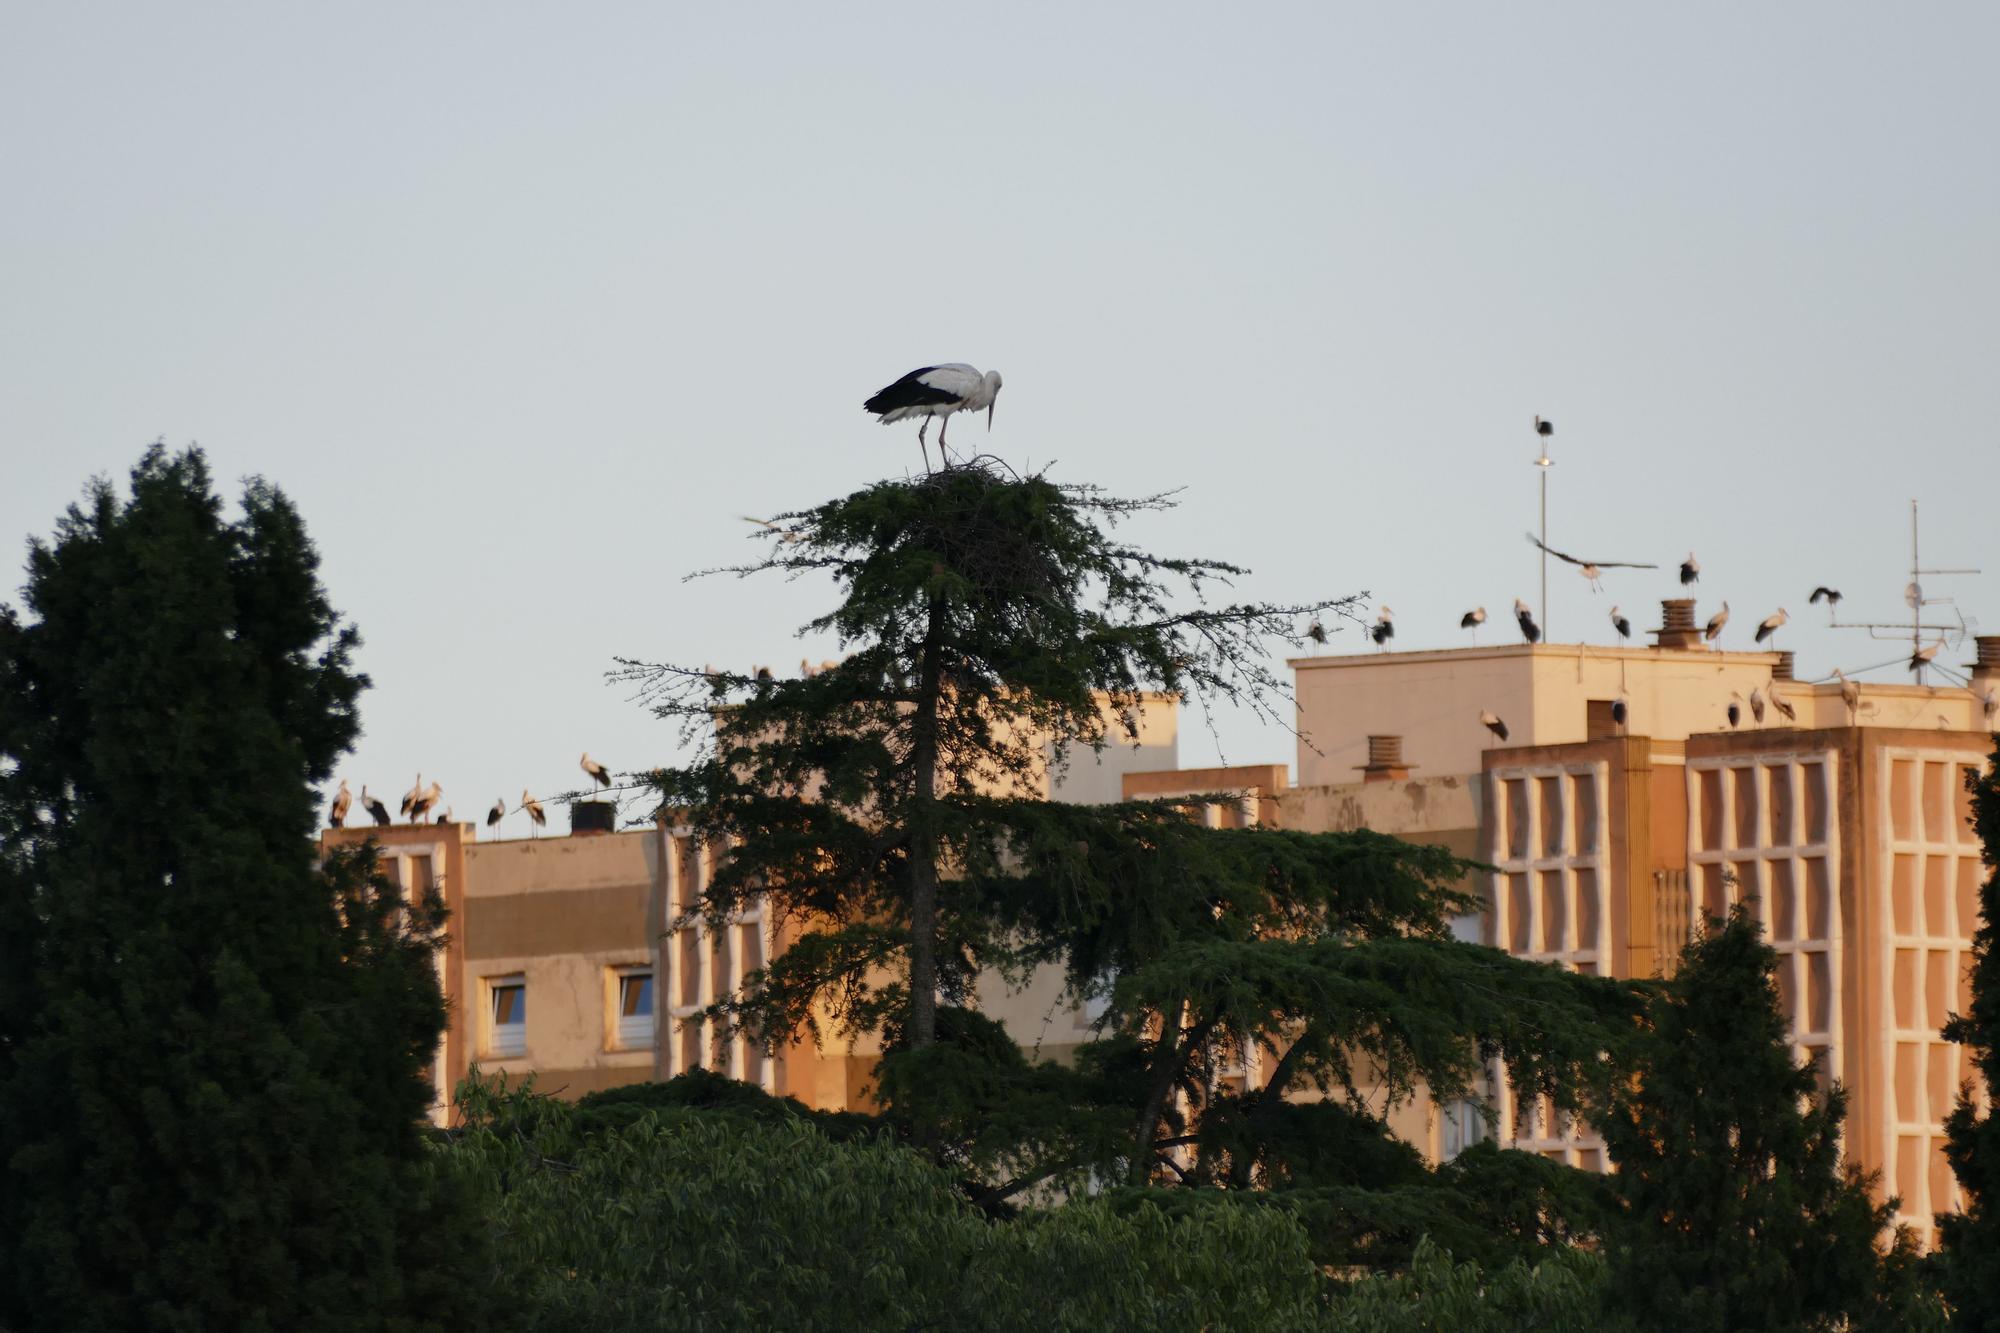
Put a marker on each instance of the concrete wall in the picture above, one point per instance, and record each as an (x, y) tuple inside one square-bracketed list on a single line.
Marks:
[(561, 913), (1095, 777), (1433, 700)]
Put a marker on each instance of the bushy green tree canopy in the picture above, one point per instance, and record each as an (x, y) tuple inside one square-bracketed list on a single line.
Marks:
[(212, 1049), (1971, 1237), (891, 811)]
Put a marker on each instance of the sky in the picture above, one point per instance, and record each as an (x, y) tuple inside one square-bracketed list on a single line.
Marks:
[(526, 306)]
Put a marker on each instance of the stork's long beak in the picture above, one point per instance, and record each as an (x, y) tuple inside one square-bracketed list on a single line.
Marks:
[(989, 418)]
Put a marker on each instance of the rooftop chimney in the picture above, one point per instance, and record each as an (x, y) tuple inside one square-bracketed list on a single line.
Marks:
[(1783, 671), (1677, 628), (1385, 760), (588, 817), (1986, 661)]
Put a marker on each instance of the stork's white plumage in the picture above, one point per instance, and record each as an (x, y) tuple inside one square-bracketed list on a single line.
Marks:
[(1716, 622), (1526, 620), (1621, 624), (410, 797), (1850, 694), (597, 772), (426, 798), (936, 391), (1770, 624), (337, 815), (534, 809), (1785, 710)]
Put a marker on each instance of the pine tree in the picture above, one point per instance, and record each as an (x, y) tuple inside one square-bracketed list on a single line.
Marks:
[(1971, 1238), (213, 1050), (1735, 1209), (889, 809)]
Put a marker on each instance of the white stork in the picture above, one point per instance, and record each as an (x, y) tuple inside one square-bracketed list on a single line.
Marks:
[(1716, 622), (1385, 627), (426, 798), (1491, 721), (535, 812), (1591, 569), (1925, 655), (1735, 710), (410, 797), (1757, 705), (1690, 570), (595, 771), (1831, 596), (1316, 632), (1770, 624), (1472, 620), (1621, 624), (936, 391), (497, 813), (1526, 620), (373, 805), (1988, 704), (1785, 710), (1618, 711), (783, 534), (1544, 428), (337, 815), (1850, 694)]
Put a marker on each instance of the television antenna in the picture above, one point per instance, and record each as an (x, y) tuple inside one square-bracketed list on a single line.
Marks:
[(1914, 597)]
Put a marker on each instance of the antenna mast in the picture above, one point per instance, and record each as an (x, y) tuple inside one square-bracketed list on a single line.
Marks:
[(1913, 597)]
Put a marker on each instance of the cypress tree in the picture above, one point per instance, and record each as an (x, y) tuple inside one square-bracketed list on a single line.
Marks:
[(1735, 1210), (889, 808), (1971, 1238), (213, 1049)]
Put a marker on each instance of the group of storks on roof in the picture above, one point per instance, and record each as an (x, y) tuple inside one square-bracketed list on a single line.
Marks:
[(420, 800)]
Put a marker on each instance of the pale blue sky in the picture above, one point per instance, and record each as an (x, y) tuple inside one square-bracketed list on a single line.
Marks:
[(524, 305)]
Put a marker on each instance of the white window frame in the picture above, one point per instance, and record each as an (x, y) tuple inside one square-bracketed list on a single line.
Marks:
[(635, 1032), (509, 1041)]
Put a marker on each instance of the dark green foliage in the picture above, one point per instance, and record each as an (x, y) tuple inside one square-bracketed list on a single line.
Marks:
[(890, 809), (1735, 1210), (705, 1090), (690, 1219), (212, 1050), (1971, 1238)]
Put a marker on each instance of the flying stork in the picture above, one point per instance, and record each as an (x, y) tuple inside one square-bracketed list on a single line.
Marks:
[(596, 771), (373, 805), (1769, 624), (337, 815), (1491, 721), (1715, 623), (1385, 627), (1690, 570), (1591, 569), (1830, 595), (782, 533), (534, 809), (497, 813), (1621, 624), (1526, 620), (936, 391)]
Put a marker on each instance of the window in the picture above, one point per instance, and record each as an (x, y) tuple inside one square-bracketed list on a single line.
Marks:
[(507, 1024), (634, 1015)]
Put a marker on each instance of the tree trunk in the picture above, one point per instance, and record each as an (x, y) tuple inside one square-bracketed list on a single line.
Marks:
[(923, 835), (1164, 1074)]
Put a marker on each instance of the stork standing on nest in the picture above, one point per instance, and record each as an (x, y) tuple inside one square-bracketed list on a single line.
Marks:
[(936, 391)]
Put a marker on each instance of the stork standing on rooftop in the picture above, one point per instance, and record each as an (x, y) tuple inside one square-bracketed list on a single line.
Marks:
[(1526, 620), (595, 771), (1621, 624), (373, 805), (1850, 694), (936, 391), (535, 811), (1690, 570), (497, 813), (1385, 627), (1715, 623), (1472, 620), (426, 799), (337, 814), (1770, 624)]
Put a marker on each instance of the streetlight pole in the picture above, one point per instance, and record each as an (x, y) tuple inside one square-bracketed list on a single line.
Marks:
[(1545, 463)]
